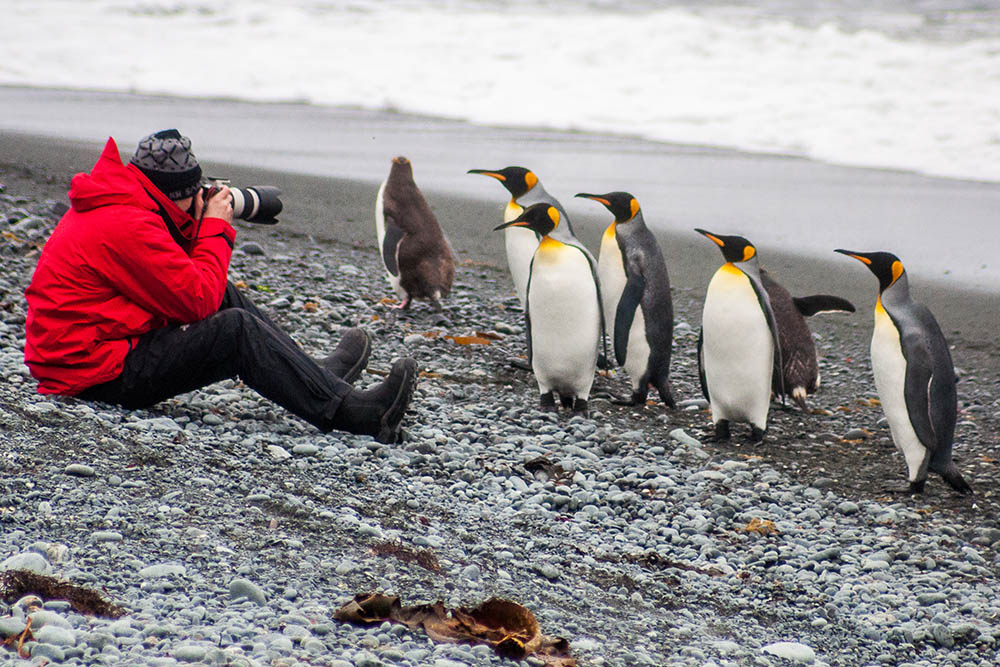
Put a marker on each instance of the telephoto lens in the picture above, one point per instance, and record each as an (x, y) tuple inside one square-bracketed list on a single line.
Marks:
[(257, 203)]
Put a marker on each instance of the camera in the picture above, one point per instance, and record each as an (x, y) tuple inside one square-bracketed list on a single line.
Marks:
[(256, 203)]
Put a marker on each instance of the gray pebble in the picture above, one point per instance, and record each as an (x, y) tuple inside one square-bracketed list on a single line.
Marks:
[(244, 588), (79, 470)]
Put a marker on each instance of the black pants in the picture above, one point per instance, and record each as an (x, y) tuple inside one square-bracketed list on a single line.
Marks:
[(238, 340)]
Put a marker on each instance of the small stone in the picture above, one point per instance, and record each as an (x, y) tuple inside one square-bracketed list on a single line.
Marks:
[(162, 570), (106, 536), (244, 588), (212, 419), (251, 248), (30, 561), (847, 507), (190, 653), (793, 651), (51, 652), (856, 434), (681, 436), (927, 599), (305, 449), (78, 470), (10, 626), (278, 453), (53, 634)]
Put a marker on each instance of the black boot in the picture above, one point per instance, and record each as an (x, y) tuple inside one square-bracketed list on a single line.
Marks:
[(378, 411), (351, 355)]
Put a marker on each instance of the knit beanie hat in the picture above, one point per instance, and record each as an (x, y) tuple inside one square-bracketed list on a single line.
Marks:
[(166, 159)]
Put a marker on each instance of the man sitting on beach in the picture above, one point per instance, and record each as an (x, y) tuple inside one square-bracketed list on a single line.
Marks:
[(130, 304)]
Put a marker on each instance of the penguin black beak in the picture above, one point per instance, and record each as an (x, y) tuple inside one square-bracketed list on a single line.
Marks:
[(860, 256), (598, 198), (487, 172), (712, 237), (513, 223)]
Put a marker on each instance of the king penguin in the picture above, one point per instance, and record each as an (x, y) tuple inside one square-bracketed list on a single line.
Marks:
[(635, 287), (562, 311), (738, 341), (914, 375), (525, 189), (799, 373), (417, 256)]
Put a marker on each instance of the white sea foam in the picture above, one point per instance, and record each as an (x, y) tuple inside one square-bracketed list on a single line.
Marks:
[(755, 80)]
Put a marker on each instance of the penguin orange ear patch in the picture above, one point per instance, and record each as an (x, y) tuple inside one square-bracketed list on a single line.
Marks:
[(530, 179), (749, 252), (553, 215), (897, 270), (634, 206)]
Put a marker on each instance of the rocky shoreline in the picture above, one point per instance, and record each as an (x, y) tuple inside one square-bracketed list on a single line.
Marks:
[(230, 531)]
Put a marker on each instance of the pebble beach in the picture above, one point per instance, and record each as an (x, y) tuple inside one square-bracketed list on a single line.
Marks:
[(230, 532)]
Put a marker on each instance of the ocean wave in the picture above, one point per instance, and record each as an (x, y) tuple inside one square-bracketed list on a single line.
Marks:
[(871, 93)]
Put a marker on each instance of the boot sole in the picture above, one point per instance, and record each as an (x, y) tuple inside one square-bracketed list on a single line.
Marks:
[(389, 432), (354, 372)]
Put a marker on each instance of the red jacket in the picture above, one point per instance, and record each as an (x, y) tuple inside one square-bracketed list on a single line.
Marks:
[(111, 271)]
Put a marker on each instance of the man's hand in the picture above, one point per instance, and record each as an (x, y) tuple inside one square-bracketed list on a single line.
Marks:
[(219, 205)]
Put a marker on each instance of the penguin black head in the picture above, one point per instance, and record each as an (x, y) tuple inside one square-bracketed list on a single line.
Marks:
[(886, 266), (539, 218), (517, 180), (621, 204), (734, 248)]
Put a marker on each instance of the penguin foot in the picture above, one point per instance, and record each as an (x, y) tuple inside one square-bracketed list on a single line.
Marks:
[(721, 430), (547, 403), (581, 408), (666, 395), (955, 480), (915, 488), (566, 401), (519, 363), (756, 434), (404, 305), (630, 400)]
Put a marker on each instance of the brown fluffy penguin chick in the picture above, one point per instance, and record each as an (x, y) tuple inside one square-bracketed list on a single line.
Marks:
[(800, 373), (417, 256)]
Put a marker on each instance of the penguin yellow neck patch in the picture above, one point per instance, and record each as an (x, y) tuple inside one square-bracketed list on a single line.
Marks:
[(549, 244), (609, 233), (729, 267)]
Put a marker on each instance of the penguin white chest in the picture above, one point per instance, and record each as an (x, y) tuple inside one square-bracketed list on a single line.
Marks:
[(380, 233), (889, 368), (738, 349), (611, 272), (565, 320), (520, 244)]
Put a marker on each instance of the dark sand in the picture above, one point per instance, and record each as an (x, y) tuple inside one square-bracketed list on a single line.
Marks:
[(329, 163)]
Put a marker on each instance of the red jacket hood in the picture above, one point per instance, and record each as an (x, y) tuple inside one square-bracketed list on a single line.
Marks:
[(113, 182)]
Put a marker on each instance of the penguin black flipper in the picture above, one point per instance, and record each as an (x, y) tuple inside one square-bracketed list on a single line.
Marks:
[(821, 303), (390, 245), (630, 299), (772, 324), (701, 365), (929, 388)]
